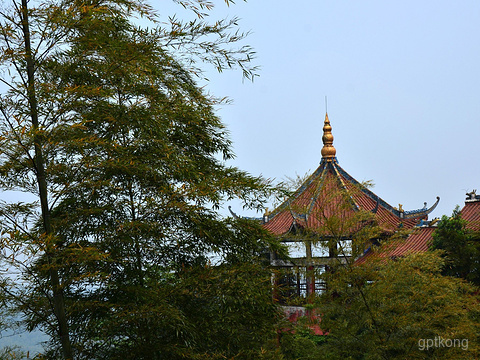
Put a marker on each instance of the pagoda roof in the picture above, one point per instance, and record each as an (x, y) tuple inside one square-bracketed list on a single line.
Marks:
[(330, 192)]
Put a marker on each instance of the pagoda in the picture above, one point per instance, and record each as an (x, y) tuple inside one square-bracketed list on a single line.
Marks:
[(326, 205)]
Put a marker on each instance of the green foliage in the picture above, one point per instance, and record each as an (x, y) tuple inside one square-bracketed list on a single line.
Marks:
[(298, 347), (387, 309), (230, 309), (298, 341), (127, 256), (12, 353), (461, 247)]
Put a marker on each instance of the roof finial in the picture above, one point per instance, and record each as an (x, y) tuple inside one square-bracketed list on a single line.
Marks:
[(328, 151)]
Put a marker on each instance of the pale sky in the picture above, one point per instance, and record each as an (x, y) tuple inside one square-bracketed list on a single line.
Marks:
[(403, 85)]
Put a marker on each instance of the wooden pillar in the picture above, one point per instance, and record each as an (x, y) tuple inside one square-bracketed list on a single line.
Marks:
[(310, 274)]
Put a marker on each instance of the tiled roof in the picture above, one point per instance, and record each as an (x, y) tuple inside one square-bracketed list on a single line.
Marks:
[(331, 192), (471, 214), (418, 241), (421, 238)]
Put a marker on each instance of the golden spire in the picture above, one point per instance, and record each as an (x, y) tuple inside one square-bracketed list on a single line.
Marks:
[(328, 151)]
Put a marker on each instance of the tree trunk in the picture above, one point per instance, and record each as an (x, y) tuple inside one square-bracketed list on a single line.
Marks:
[(39, 165)]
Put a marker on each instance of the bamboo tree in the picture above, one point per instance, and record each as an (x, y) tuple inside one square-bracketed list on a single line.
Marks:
[(144, 149), (132, 177)]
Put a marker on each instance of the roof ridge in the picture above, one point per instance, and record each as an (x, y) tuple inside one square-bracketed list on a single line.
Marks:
[(367, 191), (357, 208), (285, 204), (316, 193)]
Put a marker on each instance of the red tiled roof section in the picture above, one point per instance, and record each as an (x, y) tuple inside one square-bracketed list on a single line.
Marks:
[(418, 241), (322, 199), (385, 218), (471, 214), (330, 193), (282, 221), (330, 209)]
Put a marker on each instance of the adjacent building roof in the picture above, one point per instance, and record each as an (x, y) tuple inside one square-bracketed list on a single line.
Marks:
[(329, 193), (421, 238), (471, 211)]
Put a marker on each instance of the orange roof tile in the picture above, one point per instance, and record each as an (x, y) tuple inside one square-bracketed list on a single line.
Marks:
[(418, 241), (471, 214)]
